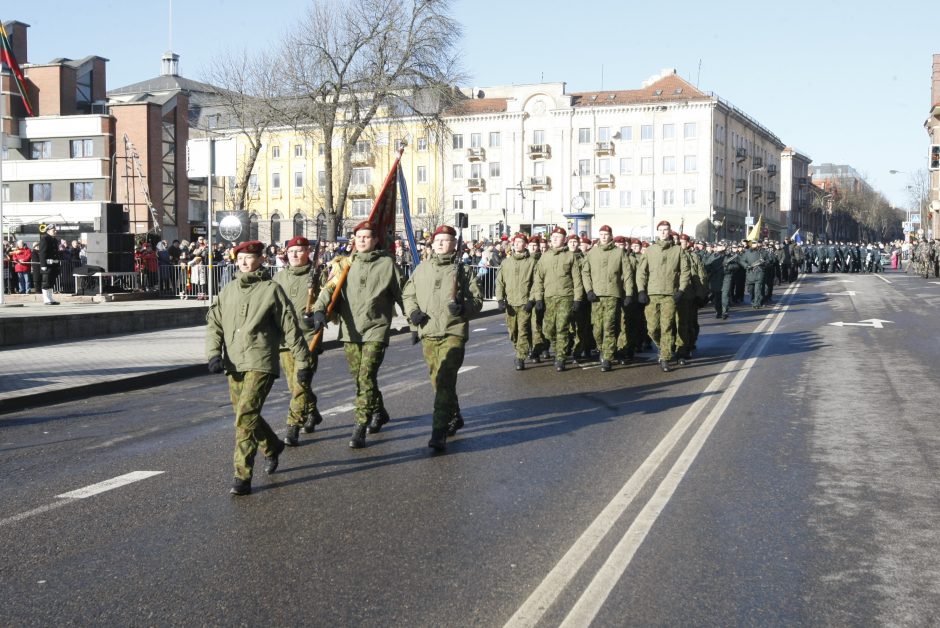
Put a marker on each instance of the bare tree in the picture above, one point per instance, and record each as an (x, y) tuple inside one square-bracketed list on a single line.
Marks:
[(348, 62)]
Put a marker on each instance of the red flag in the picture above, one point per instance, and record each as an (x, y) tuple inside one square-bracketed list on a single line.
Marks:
[(385, 206), (6, 56)]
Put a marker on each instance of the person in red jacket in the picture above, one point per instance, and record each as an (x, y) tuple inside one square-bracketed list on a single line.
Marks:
[(21, 256)]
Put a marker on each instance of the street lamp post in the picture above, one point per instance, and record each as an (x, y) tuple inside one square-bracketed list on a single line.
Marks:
[(653, 177), (910, 227), (749, 172)]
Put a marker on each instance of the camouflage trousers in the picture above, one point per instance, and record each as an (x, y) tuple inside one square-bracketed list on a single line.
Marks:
[(556, 325), (248, 390), (539, 343), (686, 318), (581, 330), (661, 323), (364, 360), (605, 318), (303, 401), (519, 324), (444, 357)]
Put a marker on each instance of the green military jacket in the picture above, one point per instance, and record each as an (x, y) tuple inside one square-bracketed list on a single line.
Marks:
[(607, 271), (697, 277), (662, 269), (250, 321), (295, 280), (514, 278), (431, 288), (558, 274), (367, 298)]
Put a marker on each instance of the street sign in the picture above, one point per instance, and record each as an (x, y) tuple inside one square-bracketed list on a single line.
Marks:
[(915, 218), (749, 221), (877, 323)]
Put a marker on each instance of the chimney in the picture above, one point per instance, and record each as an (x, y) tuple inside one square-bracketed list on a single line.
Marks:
[(17, 32), (170, 64), (935, 82)]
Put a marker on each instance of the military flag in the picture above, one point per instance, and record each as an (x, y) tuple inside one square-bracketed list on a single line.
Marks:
[(384, 209), (7, 58), (755, 233), (797, 237)]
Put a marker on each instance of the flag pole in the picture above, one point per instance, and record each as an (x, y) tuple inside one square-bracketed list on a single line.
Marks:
[(3, 100)]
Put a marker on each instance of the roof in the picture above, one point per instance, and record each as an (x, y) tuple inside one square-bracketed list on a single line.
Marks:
[(477, 105), (670, 88), (163, 83)]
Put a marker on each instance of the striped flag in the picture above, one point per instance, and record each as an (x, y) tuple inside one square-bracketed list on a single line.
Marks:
[(384, 209), (6, 57)]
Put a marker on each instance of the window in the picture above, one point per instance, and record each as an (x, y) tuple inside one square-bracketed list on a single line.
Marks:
[(603, 167), (41, 150), (689, 130), (646, 165), (363, 146), (298, 150), (688, 197), (422, 174), (81, 148), (603, 134), (458, 141), (422, 143), (669, 164), (669, 131), (603, 198), (475, 171), (457, 171), (646, 131), (476, 140), (275, 228), (275, 180), (494, 139), (584, 136), (361, 176), (298, 180), (422, 206), (253, 227), (474, 201), (321, 180), (584, 167), (626, 165), (494, 201), (494, 169), (669, 197), (275, 152), (253, 183), (538, 137), (40, 192), (458, 203), (299, 225), (538, 169), (626, 133), (690, 163), (361, 207), (646, 198), (321, 149), (625, 199)]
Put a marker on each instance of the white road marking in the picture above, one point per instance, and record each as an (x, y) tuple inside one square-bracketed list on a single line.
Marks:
[(565, 570), (883, 279), (464, 369), (868, 322), (479, 329), (107, 485), (34, 511), (849, 293)]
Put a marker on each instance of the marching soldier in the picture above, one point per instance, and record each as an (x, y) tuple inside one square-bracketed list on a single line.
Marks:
[(687, 308), (607, 277), (752, 261), (245, 328), (714, 262), (513, 286), (581, 320), (439, 298), (367, 300), (49, 263), (539, 342), (558, 291), (295, 279)]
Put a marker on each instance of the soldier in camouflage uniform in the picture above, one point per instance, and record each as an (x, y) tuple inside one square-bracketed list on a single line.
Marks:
[(295, 279), (367, 300), (581, 332), (245, 328), (539, 342), (687, 308), (439, 298), (558, 291), (607, 278), (513, 286)]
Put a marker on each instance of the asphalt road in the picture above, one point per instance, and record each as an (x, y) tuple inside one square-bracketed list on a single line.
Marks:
[(787, 476)]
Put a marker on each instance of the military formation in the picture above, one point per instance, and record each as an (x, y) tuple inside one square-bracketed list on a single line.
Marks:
[(925, 258)]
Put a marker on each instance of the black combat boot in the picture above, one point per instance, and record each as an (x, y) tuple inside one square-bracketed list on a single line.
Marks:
[(438, 440), (270, 462), (455, 424), (534, 356), (559, 365), (291, 437), (664, 365), (312, 421), (605, 366), (379, 418), (358, 440), (520, 364), (241, 487)]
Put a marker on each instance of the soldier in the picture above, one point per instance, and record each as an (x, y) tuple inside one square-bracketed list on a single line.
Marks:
[(49, 263), (558, 291), (513, 286), (714, 262), (539, 342), (581, 320), (607, 278), (687, 308), (245, 328), (439, 298), (662, 277), (770, 270), (752, 261), (367, 300), (295, 279)]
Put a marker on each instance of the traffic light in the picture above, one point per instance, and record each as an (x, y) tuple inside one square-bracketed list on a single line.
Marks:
[(935, 156)]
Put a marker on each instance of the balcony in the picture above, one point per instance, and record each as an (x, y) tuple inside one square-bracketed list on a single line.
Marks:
[(476, 184), (740, 154), (603, 148), (540, 183), (758, 162), (757, 191), (740, 185), (771, 196), (801, 181), (84, 169), (540, 151), (361, 190), (771, 170), (476, 154), (361, 158), (604, 181)]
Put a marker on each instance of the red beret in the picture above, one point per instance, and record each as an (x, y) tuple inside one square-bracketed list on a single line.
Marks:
[(573, 237), (684, 236), (297, 241), (663, 222), (635, 241), (536, 239), (365, 224), (504, 237), (644, 244), (520, 235), (605, 228), (446, 230), (254, 247), (620, 239), (559, 230)]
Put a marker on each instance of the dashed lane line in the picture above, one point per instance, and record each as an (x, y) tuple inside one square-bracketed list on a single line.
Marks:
[(883, 279)]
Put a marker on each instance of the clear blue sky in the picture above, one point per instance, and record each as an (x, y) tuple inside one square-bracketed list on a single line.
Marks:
[(844, 82)]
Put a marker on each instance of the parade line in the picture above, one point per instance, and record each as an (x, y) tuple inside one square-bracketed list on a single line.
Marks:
[(593, 598)]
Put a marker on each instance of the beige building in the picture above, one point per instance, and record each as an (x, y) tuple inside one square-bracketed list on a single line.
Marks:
[(932, 125)]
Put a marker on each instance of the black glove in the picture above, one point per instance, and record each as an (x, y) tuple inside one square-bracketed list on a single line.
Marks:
[(643, 298), (215, 364), (455, 309), (528, 306), (418, 318), (501, 304), (304, 376), (677, 296), (414, 338), (575, 306), (627, 300), (540, 306), (592, 297), (315, 321)]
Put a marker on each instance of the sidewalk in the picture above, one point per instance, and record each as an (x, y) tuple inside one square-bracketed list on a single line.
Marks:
[(36, 374)]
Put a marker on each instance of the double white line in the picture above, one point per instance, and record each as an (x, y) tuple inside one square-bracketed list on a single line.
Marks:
[(589, 604)]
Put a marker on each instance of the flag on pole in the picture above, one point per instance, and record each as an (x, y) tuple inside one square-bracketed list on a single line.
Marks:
[(384, 209), (406, 217), (755, 232), (796, 237), (6, 57)]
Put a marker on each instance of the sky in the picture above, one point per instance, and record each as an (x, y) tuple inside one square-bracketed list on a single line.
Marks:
[(842, 82)]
